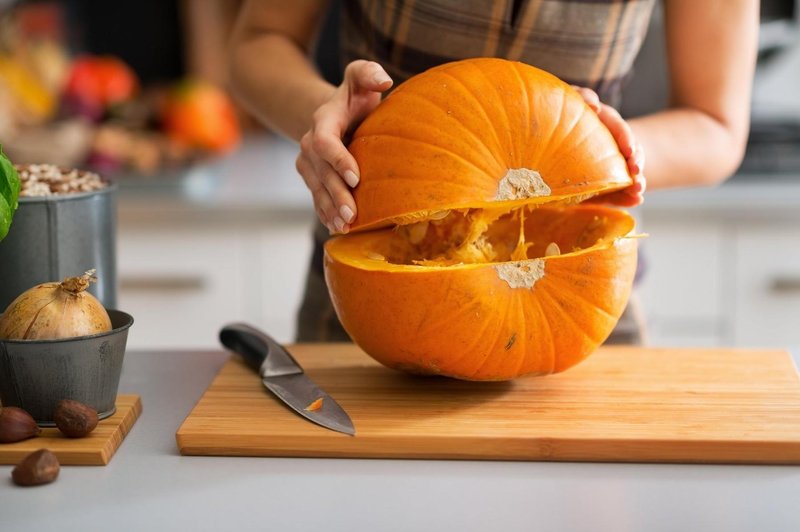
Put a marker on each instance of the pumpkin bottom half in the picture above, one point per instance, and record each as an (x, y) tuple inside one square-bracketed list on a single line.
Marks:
[(483, 294)]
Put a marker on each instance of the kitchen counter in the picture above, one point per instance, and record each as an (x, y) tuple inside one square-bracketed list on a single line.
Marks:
[(259, 182), (149, 486)]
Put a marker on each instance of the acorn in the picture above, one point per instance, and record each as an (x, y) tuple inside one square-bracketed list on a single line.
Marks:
[(39, 467), (16, 425), (74, 418)]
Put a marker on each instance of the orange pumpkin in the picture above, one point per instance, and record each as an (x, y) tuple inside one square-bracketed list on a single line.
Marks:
[(488, 269)]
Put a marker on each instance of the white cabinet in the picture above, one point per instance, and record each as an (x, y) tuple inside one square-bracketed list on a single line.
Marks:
[(721, 280), (285, 257), (179, 284), (183, 282), (767, 292), (682, 289)]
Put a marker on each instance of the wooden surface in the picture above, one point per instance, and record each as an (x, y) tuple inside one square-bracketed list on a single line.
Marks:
[(95, 449), (623, 404)]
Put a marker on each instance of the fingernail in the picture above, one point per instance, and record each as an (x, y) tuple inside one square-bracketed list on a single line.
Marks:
[(350, 178), (347, 213), (381, 77), (338, 223)]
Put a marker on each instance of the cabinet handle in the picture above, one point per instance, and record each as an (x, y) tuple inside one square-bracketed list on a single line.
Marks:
[(785, 285), (162, 283)]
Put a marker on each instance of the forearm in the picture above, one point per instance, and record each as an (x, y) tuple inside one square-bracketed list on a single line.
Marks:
[(275, 81), (686, 147), (700, 139)]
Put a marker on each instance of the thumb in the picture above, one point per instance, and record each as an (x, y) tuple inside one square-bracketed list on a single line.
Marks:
[(366, 76)]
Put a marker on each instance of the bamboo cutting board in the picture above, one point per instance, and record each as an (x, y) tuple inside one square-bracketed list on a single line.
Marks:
[(623, 404), (95, 449)]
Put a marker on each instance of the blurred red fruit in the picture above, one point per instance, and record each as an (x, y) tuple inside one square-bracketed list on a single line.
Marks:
[(97, 82)]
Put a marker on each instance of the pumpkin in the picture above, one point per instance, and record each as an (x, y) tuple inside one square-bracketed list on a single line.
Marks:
[(471, 255)]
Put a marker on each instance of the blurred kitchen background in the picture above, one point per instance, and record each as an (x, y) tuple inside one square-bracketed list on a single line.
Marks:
[(214, 223)]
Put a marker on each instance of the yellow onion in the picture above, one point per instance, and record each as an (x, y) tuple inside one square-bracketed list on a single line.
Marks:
[(54, 310)]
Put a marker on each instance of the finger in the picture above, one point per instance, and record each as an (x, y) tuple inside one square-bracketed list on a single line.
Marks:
[(619, 129), (323, 203), (642, 184), (344, 205), (589, 96), (636, 160), (335, 166), (640, 158), (361, 75), (327, 143)]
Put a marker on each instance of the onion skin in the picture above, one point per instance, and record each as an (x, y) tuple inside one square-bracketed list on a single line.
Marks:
[(52, 311)]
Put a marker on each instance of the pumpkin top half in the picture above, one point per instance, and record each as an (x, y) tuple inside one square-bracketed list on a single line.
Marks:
[(480, 133)]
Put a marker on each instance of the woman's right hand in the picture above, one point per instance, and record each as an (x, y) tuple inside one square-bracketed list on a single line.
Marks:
[(327, 167)]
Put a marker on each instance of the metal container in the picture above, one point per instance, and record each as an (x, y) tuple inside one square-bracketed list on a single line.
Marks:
[(36, 374), (53, 237)]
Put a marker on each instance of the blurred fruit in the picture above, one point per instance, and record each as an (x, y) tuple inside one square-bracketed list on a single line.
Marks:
[(97, 82), (200, 115), (36, 102)]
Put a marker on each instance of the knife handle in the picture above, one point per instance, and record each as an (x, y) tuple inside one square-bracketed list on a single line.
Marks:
[(259, 350)]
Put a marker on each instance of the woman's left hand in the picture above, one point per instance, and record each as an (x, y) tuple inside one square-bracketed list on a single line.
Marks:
[(630, 149)]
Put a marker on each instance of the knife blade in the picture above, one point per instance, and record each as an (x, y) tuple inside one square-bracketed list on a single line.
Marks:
[(284, 377)]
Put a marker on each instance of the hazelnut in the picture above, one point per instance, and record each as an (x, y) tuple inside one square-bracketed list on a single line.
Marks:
[(39, 467), (16, 425), (74, 418)]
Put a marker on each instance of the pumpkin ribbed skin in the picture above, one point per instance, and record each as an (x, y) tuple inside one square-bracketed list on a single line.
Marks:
[(446, 138), (496, 272), (469, 322)]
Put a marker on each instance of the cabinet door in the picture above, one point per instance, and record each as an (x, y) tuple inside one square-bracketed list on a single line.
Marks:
[(767, 291), (181, 285), (286, 253), (681, 289)]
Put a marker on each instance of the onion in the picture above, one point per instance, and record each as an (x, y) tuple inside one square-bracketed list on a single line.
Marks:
[(54, 310)]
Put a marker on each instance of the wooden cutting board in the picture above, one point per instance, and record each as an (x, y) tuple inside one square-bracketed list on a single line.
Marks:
[(95, 449), (623, 404)]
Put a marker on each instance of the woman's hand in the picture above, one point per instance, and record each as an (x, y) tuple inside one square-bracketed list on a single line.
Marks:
[(327, 167), (630, 149)]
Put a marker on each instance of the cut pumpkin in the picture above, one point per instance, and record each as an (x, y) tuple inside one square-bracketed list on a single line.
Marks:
[(470, 256)]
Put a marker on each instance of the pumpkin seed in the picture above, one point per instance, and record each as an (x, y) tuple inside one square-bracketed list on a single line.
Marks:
[(552, 250)]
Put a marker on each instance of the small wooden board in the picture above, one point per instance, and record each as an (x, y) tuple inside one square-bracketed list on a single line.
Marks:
[(95, 449), (623, 404)]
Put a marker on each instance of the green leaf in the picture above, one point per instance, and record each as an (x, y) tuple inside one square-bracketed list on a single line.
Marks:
[(9, 192)]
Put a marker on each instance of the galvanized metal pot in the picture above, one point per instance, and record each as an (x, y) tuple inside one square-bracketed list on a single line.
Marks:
[(53, 237), (36, 374)]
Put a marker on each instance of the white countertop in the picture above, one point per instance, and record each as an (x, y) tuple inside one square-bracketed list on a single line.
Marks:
[(149, 486)]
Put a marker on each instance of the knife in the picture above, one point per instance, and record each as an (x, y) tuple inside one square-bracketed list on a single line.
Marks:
[(283, 376)]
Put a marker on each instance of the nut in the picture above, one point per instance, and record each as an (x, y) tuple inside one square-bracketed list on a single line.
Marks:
[(74, 418), (16, 425), (39, 467)]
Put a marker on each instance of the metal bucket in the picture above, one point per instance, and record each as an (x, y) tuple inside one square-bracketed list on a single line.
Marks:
[(53, 237), (36, 374)]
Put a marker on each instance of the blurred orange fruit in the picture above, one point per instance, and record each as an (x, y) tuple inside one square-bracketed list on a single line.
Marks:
[(201, 115)]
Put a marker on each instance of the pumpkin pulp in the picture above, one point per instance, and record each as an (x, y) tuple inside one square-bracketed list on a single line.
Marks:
[(486, 235)]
